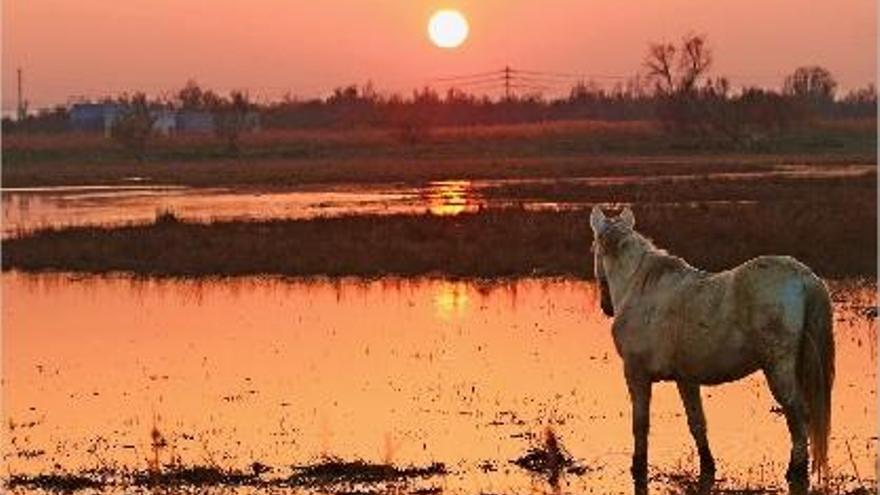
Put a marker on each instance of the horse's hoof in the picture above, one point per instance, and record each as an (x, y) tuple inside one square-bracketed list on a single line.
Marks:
[(640, 488), (707, 475), (801, 487), (707, 467), (706, 481), (797, 472), (639, 470)]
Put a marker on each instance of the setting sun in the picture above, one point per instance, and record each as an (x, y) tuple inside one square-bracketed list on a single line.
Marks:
[(448, 28)]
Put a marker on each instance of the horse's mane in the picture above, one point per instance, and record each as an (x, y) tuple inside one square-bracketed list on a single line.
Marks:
[(656, 263)]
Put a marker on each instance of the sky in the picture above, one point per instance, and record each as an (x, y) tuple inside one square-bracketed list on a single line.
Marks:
[(92, 48)]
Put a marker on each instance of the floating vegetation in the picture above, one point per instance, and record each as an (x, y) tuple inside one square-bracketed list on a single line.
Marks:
[(680, 483), (56, 482), (172, 476), (550, 459), (330, 471), (355, 476)]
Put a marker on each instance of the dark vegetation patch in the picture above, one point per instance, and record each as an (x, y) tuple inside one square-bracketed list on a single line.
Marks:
[(56, 482), (196, 476), (682, 483), (834, 233), (332, 471), (550, 459), (358, 476)]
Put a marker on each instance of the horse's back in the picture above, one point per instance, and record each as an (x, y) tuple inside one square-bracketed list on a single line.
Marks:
[(765, 306), (772, 290), (718, 327)]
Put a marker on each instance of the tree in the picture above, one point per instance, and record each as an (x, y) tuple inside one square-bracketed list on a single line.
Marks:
[(693, 62), (859, 103), (190, 96), (193, 97), (676, 73), (133, 128), (231, 119), (678, 69), (660, 63), (814, 84)]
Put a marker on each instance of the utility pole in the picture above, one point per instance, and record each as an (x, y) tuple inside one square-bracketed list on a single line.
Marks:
[(22, 106), (507, 82)]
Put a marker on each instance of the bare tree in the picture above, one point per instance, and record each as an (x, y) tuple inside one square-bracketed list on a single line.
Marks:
[(694, 61), (660, 63), (811, 83), (678, 69)]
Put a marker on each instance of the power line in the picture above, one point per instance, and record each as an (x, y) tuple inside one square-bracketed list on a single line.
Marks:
[(570, 75), (508, 80), (467, 76), (482, 81)]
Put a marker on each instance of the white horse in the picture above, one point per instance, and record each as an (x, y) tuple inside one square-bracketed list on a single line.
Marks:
[(675, 322)]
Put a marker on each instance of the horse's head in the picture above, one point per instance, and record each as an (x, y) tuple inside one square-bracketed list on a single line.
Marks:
[(607, 234)]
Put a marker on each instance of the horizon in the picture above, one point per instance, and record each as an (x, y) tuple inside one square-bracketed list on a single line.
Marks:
[(386, 44)]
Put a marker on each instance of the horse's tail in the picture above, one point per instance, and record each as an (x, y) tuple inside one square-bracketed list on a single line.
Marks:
[(816, 370)]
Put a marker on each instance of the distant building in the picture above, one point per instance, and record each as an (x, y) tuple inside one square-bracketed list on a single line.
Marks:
[(164, 121), (194, 121), (94, 117), (101, 117)]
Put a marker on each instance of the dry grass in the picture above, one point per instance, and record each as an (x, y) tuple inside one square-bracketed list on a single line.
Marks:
[(276, 137), (358, 154)]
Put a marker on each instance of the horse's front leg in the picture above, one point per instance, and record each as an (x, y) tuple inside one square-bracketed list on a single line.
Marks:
[(693, 406), (639, 385)]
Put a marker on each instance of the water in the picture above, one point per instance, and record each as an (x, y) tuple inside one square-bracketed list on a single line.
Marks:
[(283, 372), (26, 209)]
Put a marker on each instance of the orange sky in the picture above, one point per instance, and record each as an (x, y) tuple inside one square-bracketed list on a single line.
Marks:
[(95, 47)]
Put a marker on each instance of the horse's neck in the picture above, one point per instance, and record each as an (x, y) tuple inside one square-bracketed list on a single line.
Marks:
[(625, 271)]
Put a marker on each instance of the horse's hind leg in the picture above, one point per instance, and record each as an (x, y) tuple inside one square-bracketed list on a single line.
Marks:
[(782, 379), (693, 406)]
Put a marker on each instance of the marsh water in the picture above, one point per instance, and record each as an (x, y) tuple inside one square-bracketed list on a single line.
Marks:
[(409, 372), (135, 200)]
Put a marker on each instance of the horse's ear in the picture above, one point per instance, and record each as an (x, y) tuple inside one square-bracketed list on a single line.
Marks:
[(597, 219), (627, 217)]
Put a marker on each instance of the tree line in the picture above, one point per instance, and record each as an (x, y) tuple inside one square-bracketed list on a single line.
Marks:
[(676, 88)]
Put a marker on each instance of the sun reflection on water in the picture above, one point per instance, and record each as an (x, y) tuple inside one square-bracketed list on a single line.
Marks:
[(450, 197), (451, 300)]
